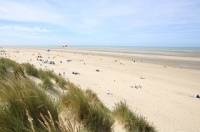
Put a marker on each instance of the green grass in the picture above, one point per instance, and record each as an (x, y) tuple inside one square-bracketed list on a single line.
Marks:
[(131, 121), (7, 66), (94, 116), (31, 70), (58, 79), (45, 76), (47, 83), (93, 99), (20, 97), (3, 71), (24, 106), (9, 63)]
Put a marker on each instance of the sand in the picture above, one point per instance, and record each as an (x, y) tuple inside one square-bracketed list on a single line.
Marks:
[(157, 85)]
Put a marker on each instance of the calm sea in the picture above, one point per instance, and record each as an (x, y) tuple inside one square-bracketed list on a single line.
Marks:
[(142, 48), (122, 48)]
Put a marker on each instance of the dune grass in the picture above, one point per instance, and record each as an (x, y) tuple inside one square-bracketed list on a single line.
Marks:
[(3, 71), (9, 63), (58, 79), (88, 109), (31, 70), (20, 97), (7, 66), (131, 121), (24, 107), (45, 76), (47, 83)]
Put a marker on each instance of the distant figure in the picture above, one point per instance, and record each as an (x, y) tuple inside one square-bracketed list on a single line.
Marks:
[(108, 92), (59, 74), (136, 86), (75, 73), (142, 77), (197, 96), (97, 70), (63, 73)]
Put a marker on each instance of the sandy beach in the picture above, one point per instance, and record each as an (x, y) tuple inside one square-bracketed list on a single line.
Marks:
[(161, 86)]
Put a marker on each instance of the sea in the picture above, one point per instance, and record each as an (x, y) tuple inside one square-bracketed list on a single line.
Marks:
[(189, 56)]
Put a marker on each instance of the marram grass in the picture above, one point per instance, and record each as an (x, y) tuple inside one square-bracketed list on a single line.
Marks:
[(95, 118), (31, 70), (19, 97), (131, 122), (25, 107)]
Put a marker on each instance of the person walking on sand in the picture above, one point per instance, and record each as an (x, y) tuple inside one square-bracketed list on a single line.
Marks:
[(108, 92)]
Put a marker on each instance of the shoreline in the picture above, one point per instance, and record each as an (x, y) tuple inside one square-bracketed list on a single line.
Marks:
[(180, 60)]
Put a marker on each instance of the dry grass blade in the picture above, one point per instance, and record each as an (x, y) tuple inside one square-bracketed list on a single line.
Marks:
[(30, 119), (61, 125), (67, 126), (46, 123), (43, 125), (51, 120)]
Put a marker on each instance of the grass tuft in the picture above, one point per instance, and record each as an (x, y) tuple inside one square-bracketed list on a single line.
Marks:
[(47, 83), (131, 121), (19, 98), (31, 70), (7, 66), (3, 71), (62, 83), (94, 117)]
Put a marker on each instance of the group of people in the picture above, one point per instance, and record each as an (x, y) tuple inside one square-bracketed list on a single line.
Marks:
[(49, 62)]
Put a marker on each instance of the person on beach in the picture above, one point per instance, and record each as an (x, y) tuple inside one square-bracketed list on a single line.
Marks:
[(197, 96), (108, 92)]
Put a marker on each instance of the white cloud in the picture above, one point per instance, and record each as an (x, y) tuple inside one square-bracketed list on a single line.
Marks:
[(28, 12), (96, 20), (23, 29), (91, 14), (3, 9)]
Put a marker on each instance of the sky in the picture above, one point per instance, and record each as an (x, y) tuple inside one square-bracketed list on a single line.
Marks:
[(100, 22)]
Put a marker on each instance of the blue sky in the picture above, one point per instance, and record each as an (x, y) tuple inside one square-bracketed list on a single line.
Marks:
[(103, 22)]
